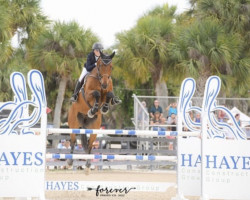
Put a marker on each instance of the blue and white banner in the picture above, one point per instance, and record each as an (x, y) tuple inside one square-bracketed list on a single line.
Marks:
[(22, 152), (22, 166), (227, 168), (216, 164), (103, 186)]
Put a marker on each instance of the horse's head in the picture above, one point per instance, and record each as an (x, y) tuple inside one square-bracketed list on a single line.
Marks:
[(104, 69)]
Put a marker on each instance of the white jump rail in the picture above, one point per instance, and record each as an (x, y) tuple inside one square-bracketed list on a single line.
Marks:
[(112, 157), (117, 132)]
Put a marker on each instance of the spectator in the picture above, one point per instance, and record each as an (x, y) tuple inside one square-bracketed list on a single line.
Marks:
[(155, 108), (172, 121), (247, 130), (221, 116), (78, 147), (67, 145), (163, 122), (61, 145), (156, 120), (96, 145), (198, 118), (237, 117), (172, 108), (141, 112)]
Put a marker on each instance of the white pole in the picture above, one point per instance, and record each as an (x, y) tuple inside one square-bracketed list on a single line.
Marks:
[(43, 134), (112, 157), (118, 132)]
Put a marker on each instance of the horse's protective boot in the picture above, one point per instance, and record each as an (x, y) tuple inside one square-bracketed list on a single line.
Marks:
[(116, 100), (76, 91), (105, 108)]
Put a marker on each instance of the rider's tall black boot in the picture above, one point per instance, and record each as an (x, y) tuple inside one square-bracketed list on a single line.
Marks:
[(76, 91)]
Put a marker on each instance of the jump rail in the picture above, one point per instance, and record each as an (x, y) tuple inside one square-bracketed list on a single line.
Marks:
[(111, 157), (118, 132)]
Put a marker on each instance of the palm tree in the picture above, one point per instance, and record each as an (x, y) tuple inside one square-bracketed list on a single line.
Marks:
[(234, 16), (205, 49), (142, 51), (61, 51), (5, 23), (27, 19), (22, 18), (16, 63)]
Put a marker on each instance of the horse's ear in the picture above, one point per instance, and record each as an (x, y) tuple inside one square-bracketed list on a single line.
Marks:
[(112, 55), (102, 55)]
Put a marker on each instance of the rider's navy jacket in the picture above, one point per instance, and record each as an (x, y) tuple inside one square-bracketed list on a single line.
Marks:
[(91, 60)]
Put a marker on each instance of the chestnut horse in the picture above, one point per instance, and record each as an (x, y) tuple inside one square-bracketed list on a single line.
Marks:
[(92, 102)]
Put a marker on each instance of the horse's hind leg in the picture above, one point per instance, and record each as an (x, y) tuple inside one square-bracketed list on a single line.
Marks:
[(92, 139), (105, 107), (96, 94), (72, 147), (84, 140)]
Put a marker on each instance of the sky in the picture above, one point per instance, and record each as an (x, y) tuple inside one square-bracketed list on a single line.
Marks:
[(104, 17)]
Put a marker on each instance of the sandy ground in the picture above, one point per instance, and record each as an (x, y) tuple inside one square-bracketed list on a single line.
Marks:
[(113, 175)]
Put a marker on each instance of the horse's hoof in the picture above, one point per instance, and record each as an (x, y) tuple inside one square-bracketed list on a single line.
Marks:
[(87, 171), (90, 114), (116, 101), (104, 112), (70, 162)]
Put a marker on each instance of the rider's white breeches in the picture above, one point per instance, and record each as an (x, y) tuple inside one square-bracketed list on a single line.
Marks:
[(83, 74)]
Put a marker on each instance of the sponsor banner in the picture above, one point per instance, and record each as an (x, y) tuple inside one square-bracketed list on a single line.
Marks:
[(107, 186), (226, 163), (189, 166), (22, 165)]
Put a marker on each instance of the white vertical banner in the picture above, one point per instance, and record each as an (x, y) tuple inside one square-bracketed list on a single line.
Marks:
[(22, 151), (227, 169), (189, 164), (212, 166), (22, 165)]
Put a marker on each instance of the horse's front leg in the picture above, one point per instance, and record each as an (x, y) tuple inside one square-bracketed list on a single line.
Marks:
[(105, 107), (96, 95)]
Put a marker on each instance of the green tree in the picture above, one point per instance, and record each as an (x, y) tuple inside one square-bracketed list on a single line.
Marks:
[(212, 39), (234, 16), (142, 51), (21, 18), (60, 52), (17, 63), (205, 49)]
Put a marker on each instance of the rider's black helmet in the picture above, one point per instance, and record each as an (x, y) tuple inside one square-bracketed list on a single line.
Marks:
[(98, 46)]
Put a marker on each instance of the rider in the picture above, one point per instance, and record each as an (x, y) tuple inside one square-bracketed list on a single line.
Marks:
[(88, 66)]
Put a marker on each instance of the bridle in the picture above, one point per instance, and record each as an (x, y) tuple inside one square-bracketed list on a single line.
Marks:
[(99, 75)]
